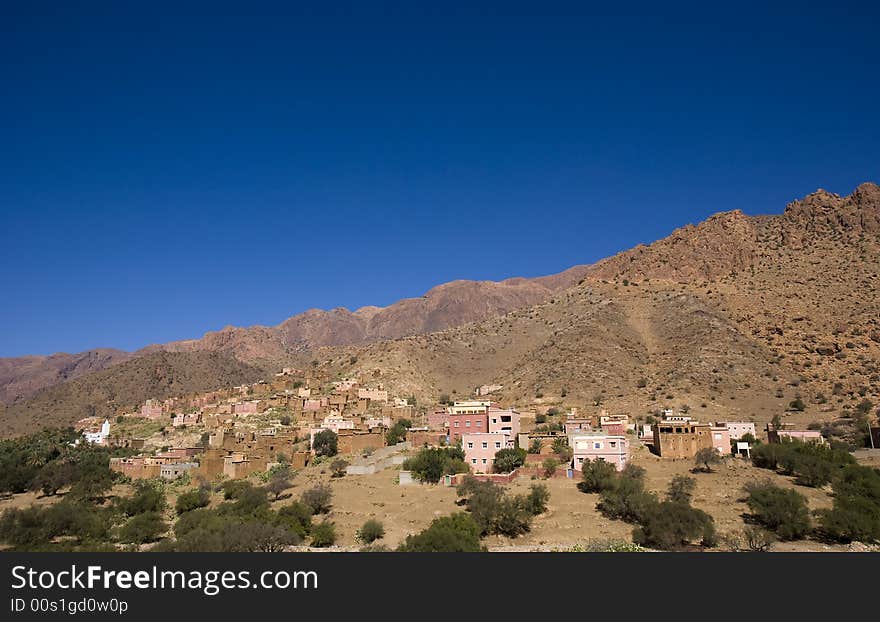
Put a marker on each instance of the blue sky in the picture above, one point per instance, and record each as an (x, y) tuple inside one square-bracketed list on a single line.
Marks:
[(166, 172)]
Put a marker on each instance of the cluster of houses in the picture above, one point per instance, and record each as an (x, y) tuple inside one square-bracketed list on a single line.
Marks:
[(249, 428)]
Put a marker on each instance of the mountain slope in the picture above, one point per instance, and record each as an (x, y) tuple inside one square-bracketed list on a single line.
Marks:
[(125, 386)]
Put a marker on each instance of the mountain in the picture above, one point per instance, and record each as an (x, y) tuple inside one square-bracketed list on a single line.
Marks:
[(734, 317), (446, 305), (126, 385), (739, 315), (23, 376)]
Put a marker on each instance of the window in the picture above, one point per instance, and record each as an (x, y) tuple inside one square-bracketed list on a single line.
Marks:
[(494, 420), (478, 423), (467, 423), (497, 445), (456, 424), (473, 460), (485, 445), (597, 445), (484, 461), (470, 445), (613, 444)]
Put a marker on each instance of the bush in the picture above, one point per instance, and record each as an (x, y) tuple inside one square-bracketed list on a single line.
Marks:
[(325, 443), (597, 476), (317, 498), (143, 528), (509, 459), (371, 531), (296, 517), (536, 501), (670, 526), (397, 432), (432, 463), (627, 499), (549, 466), (782, 511), (338, 468), (323, 534), (495, 512), (192, 500), (456, 533), (855, 513), (147, 497), (681, 489), (277, 485)]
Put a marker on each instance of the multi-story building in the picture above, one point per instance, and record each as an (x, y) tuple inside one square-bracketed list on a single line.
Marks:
[(480, 449), (587, 447)]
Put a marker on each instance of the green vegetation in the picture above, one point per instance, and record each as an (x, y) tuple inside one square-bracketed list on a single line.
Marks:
[(781, 510), (855, 514), (371, 531), (432, 463), (597, 476), (325, 443), (496, 512), (456, 533), (670, 524), (317, 498), (323, 534), (706, 457), (397, 432), (509, 459), (192, 500), (811, 464)]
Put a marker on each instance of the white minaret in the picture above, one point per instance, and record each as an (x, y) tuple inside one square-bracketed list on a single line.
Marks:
[(105, 428)]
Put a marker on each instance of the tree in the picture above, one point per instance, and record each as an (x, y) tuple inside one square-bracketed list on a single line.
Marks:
[(448, 534), (338, 467), (317, 498), (706, 457), (549, 465), (535, 446), (325, 443), (253, 536), (561, 448), (597, 475), (147, 497), (432, 463), (143, 528), (509, 459), (323, 534), (277, 485), (783, 511), (536, 501), (192, 500), (670, 526), (397, 432), (296, 517), (370, 531), (681, 489)]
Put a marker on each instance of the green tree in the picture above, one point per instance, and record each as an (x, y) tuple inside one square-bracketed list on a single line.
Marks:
[(781, 510), (597, 476), (448, 534), (143, 528), (192, 500), (370, 531), (509, 459), (323, 534), (706, 457), (681, 489), (318, 498), (325, 443)]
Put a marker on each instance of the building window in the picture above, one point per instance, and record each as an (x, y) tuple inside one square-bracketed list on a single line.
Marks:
[(473, 460), (478, 423), (497, 445), (470, 445), (484, 461), (485, 445), (597, 445), (467, 423), (456, 424)]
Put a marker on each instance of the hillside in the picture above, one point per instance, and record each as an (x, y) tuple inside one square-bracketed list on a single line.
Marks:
[(125, 386), (738, 315), (444, 306)]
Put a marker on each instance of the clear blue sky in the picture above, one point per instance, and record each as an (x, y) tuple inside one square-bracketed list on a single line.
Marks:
[(164, 173)]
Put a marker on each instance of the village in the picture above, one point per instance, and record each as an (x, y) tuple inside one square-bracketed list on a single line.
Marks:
[(243, 430)]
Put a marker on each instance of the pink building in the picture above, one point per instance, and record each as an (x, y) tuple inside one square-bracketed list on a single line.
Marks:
[(504, 421), (721, 439), (787, 433), (466, 424), (374, 395), (738, 429), (247, 408), (312, 404), (152, 409), (437, 419), (480, 449), (613, 449)]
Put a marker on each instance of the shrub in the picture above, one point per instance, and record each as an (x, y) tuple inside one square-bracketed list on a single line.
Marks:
[(670, 525), (681, 489), (317, 498), (508, 459), (855, 513), (597, 476), (323, 534), (432, 463), (192, 500), (325, 443), (143, 528), (454, 533), (780, 510), (498, 513), (277, 485), (549, 465), (296, 517), (338, 468), (397, 432), (370, 531), (147, 497), (536, 501), (256, 535)]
